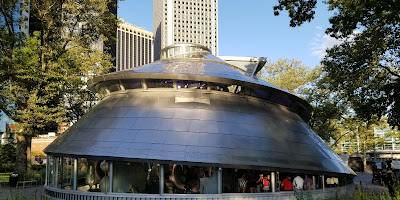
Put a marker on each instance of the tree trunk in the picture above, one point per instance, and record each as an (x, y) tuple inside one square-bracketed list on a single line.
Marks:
[(29, 153), (21, 150)]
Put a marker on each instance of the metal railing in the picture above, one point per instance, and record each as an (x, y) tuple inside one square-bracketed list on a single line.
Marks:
[(55, 193)]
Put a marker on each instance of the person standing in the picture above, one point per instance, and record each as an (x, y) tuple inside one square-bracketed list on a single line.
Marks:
[(260, 183), (308, 183), (287, 184), (243, 183), (252, 181), (298, 183), (266, 183), (389, 181)]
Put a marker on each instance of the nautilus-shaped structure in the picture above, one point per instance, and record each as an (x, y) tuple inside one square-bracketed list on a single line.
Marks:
[(192, 108)]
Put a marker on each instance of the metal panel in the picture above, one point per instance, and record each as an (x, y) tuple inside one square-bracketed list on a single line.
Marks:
[(151, 136), (137, 111), (202, 70), (161, 112), (258, 135), (182, 138), (122, 135)]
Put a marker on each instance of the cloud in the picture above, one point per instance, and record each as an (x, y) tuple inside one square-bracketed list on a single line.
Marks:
[(322, 42)]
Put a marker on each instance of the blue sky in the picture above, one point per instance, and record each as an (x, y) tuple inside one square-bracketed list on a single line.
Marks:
[(249, 28), (3, 120)]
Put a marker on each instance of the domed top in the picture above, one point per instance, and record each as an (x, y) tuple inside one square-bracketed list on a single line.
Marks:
[(195, 62)]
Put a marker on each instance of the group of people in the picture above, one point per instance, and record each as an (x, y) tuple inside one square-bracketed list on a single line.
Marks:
[(263, 183), (298, 183), (384, 175)]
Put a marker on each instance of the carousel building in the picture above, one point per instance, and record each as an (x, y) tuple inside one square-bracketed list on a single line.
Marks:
[(188, 126)]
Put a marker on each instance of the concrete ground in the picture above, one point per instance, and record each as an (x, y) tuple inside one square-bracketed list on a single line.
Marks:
[(30, 192), (363, 180)]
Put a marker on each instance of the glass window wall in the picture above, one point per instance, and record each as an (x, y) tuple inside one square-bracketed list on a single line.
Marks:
[(185, 179), (66, 173), (131, 84), (185, 84), (134, 177), (159, 83), (50, 170)]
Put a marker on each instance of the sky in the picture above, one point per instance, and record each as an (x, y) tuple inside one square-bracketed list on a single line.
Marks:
[(249, 28), (3, 120)]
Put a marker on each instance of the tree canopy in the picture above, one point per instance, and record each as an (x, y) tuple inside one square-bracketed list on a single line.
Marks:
[(41, 72), (311, 84), (289, 74), (365, 68)]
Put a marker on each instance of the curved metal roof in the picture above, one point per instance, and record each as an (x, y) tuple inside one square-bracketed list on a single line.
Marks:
[(198, 128), (200, 65)]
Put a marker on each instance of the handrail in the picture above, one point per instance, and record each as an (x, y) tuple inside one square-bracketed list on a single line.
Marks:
[(56, 193)]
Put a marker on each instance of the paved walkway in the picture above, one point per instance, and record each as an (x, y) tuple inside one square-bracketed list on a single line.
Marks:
[(28, 192), (364, 179)]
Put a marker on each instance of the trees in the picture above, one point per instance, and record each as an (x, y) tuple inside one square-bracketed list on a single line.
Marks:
[(311, 84), (358, 130), (7, 156), (290, 75), (38, 72), (329, 109), (365, 67)]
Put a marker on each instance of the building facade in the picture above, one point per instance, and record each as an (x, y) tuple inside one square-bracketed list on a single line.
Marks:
[(185, 21), (134, 46), (387, 144)]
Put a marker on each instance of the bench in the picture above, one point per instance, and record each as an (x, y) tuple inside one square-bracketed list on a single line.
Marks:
[(23, 183)]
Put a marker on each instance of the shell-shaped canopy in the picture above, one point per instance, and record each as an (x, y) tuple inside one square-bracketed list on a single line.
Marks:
[(216, 129), (261, 127)]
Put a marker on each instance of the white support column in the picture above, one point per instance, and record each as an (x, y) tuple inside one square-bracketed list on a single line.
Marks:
[(46, 179), (161, 179), (219, 181), (75, 185), (273, 181), (313, 182), (111, 174), (323, 182)]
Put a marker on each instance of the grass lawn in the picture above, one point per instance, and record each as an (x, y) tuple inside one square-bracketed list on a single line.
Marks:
[(5, 176)]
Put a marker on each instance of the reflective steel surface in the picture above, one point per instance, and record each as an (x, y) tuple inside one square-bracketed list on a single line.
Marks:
[(223, 130), (201, 70), (193, 108)]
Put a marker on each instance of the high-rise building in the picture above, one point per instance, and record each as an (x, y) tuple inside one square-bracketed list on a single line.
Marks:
[(134, 46), (185, 21)]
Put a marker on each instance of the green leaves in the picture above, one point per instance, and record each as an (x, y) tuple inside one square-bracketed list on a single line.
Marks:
[(290, 75), (365, 68), (299, 11), (39, 73), (7, 155)]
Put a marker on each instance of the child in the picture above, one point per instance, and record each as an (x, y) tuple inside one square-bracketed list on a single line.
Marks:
[(266, 183)]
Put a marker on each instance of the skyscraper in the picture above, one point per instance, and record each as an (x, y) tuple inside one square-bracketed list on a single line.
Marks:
[(134, 46), (185, 21)]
